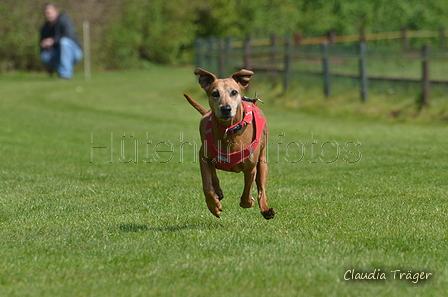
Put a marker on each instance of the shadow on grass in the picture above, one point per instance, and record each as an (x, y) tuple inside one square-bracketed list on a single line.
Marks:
[(141, 228)]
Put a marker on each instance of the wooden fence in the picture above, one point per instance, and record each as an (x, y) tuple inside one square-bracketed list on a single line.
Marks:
[(277, 57)]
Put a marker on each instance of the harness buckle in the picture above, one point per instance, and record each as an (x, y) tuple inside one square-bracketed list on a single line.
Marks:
[(252, 100)]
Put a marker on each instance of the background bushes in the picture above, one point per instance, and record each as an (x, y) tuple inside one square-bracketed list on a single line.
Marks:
[(131, 33)]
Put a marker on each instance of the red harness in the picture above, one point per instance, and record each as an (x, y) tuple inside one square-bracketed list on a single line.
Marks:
[(225, 161)]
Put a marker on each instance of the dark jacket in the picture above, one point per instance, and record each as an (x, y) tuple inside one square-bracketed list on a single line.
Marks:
[(62, 28)]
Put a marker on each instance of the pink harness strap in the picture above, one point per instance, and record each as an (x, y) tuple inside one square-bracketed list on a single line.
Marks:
[(225, 161)]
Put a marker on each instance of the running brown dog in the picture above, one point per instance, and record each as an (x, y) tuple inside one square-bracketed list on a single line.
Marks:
[(234, 136)]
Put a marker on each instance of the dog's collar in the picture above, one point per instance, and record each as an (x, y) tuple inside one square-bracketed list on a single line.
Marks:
[(247, 118)]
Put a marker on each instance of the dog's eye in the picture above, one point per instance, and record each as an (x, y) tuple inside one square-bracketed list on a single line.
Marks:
[(234, 93), (215, 94)]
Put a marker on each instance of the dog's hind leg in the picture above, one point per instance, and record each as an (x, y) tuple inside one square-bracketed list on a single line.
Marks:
[(262, 175)]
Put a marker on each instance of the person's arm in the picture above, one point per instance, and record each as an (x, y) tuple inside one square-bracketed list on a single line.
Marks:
[(46, 39), (65, 29)]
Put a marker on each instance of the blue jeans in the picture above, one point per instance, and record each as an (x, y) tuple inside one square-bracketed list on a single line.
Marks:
[(63, 58)]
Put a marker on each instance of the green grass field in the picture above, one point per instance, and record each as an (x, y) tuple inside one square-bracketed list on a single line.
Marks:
[(100, 195)]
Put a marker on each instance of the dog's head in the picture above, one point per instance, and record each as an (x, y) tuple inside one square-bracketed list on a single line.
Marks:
[(224, 95)]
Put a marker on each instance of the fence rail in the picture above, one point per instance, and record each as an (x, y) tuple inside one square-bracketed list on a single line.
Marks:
[(333, 38), (280, 57)]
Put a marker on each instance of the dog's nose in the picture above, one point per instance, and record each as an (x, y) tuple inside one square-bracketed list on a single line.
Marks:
[(226, 109)]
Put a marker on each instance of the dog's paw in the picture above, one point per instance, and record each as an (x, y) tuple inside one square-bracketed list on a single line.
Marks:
[(216, 211), (217, 214), (268, 214), (247, 204)]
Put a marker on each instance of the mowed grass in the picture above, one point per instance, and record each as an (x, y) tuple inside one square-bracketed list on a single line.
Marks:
[(100, 195)]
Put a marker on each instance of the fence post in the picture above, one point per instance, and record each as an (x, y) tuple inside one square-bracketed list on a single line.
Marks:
[(272, 72), (297, 39), (287, 61), (86, 35), (247, 53), (442, 37), (332, 37), (199, 55), (363, 35), (404, 38), (228, 53), (363, 72), (326, 68), (221, 58), (211, 53), (425, 76)]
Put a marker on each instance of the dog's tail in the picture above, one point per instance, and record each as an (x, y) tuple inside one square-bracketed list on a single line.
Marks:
[(196, 105)]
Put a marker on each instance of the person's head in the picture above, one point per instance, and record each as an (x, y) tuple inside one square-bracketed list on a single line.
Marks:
[(51, 13)]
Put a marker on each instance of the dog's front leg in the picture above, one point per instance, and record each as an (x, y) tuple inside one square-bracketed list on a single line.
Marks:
[(209, 178), (249, 177)]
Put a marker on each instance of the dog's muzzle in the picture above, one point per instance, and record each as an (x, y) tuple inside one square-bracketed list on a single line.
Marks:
[(225, 112)]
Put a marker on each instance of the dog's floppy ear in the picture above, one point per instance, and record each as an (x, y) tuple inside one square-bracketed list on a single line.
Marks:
[(205, 77), (242, 77)]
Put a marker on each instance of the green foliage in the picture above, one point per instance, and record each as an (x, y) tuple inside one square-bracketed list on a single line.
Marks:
[(18, 42), (155, 31), (127, 32), (123, 38), (348, 17), (168, 30)]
